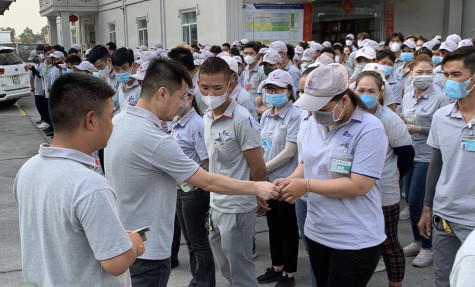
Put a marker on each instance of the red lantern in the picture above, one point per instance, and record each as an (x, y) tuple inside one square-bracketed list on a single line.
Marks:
[(73, 19)]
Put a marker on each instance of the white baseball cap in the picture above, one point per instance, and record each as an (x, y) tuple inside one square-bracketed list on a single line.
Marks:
[(87, 51), (366, 52), (321, 85), (145, 56), (376, 68), (280, 78), (448, 45), (196, 55), (76, 46), (271, 57), (206, 54), (263, 51), (196, 62), (298, 50), (327, 44), (430, 44), (140, 75), (33, 54), (308, 55), (233, 65), (465, 42), (454, 38), (410, 44), (369, 43), (244, 41), (382, 43), (238, 59), (222, 54), (278, 46), (236, 43), (57, 55), (351, 36), (143, 48), (316, 46), (85, 66), (158, 45)]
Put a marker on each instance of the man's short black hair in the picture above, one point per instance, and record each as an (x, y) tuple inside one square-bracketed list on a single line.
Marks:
[(72, 96), (184, 56), (215, 49), (122, 56), (40, 48), (47, 49), (469, 63), (385, 53), (327, 50), (290, 51), (234, 51), (252, 45), (72, 51), (164, 73), (397, 35), (99, 52), (215, 65), (436, 47), (227, 45), (112, 46), (459, 55), (337, 47), (195, 46), (73, 60)]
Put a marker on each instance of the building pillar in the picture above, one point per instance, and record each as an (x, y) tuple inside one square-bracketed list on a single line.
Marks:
[(234, 20), (455, 17), (65, 31), (52, 30)]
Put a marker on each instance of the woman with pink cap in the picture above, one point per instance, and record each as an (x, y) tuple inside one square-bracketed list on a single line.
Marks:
[(343, 154)]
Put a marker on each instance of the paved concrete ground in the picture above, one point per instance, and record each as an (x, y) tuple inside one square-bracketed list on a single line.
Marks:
[(19, 140)]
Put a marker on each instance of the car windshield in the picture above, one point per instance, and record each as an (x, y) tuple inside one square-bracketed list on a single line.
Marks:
[(9, 57)]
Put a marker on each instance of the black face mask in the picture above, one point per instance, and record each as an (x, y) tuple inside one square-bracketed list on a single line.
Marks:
[(57, 65)]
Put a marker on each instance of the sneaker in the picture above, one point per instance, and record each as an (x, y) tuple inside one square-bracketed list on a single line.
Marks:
[(424, 258), (381, 266), (270, 276), (48, 129), (404, 214), (39, 122), (412, 249), (43, 125), (286, 281)]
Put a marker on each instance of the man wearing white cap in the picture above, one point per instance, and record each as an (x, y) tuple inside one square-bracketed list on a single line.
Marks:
[(349, 42), (271, 61), (233, 143), (364, 56), (79, 49), (445, 48), (237, 92), (253, 75), (85, 68), (308, 57), (57, 58), (287, 53), (408, 48)]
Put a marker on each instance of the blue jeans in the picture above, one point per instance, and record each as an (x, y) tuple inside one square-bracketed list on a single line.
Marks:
[(415, 187), (301, 212), (150, 273), (191, 209)]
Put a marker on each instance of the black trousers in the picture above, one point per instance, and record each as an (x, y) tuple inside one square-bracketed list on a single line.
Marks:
[(335, 268), (42, 107), (283, 235), (46, 112)]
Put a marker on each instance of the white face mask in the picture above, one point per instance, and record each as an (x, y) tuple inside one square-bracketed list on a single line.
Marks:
[(359, 43), (249, 60), (395, 47), (214, 102), (105, 73), (348, 42)]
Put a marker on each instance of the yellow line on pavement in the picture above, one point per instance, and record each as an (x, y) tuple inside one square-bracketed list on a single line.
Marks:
[(22, 112)]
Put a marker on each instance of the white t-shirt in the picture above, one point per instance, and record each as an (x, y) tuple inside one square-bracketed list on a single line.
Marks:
[(463, 270)]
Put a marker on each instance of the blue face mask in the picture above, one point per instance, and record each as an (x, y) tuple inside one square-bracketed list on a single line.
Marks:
[(369, 101), (457, 90), (436, 60), (407, 57), (277, 100), (67, 71), (388, 70), (124, 77), (239, 71)]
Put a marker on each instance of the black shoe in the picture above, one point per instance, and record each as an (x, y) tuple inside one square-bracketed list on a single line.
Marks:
[(269, 276), (286, 282), (39, 122), (50, 134), (48, 129)]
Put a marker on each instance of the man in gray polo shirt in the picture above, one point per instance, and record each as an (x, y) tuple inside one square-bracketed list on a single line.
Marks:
[(233, 142), (449, 203), (70, 230), (144, 165)]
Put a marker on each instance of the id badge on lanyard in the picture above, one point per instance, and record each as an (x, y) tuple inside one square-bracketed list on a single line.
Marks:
[(467, 141), (267, 141), (341, 163)]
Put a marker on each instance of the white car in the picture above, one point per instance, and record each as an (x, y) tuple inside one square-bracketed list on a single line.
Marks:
[(14, 80)]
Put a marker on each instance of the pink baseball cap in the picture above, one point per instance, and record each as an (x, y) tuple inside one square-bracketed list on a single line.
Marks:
[(321, 85), (279, 78), (271, 57)]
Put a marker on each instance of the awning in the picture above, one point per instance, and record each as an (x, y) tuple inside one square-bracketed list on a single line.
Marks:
[(5, 5)]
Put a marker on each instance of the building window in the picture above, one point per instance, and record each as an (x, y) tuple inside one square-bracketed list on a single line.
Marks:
[(189, 28), (112, 33), (73, 35), (143, 33)]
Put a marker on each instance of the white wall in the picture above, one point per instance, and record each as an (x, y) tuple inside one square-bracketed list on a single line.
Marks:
[(468, 21), (420, 17)]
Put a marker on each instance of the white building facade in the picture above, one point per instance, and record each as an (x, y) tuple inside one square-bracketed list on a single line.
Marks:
[(132, 23)]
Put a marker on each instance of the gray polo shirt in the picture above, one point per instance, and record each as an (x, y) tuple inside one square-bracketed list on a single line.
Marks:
[(422, 110), (144, 165), (276, 130), (396, 67), (188, 133), (112, 81), (226, 137), (199, 100), (295, 73), (396, 88), (252, 79), (346, 223), (398, 136), (68, 221), (128, 95), (243, 98), (454, 193), (439, 77)]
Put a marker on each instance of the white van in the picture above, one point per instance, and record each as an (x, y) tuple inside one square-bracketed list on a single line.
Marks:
[(14, 80)]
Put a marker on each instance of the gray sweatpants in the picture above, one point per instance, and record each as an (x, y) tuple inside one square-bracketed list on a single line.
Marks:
[(445, 248), (231, 243)]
